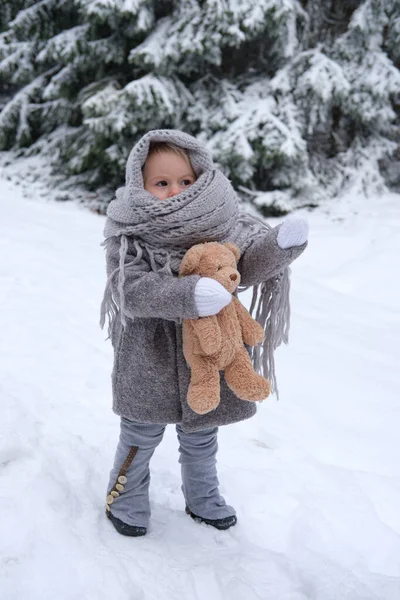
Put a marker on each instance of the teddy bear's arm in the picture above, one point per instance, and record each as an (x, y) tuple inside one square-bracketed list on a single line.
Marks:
[(208, 332), (252, 332)]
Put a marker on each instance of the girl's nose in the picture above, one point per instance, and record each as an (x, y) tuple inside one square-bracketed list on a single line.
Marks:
[(173, 190)]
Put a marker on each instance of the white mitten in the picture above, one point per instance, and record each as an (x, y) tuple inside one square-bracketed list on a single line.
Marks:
[(210, 297), (293, 232)]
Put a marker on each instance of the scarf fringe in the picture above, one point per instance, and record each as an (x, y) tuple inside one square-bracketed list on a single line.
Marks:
[(114, 307), (271, 308)]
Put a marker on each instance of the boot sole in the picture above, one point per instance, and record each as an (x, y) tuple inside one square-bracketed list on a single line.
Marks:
[(220, 524), (124, 528)]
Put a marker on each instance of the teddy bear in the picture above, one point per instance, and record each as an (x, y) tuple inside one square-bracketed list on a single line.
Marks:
[(216, 343)]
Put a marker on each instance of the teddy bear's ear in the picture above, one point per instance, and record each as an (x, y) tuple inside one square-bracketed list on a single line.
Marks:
[(233, 249), (190, 262)]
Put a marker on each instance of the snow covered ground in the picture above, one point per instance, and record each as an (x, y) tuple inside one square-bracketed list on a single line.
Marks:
[(315, 478)]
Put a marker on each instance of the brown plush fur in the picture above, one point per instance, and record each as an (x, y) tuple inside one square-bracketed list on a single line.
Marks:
[(213, 344)]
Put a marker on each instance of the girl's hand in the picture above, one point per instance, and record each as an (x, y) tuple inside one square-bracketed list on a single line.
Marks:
[(293, 232)]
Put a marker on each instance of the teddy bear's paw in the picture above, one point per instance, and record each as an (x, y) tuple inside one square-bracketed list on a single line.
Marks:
[(254, 338), (259, 389), (252, 389), (257, 333), (254, 334), (202, 400)]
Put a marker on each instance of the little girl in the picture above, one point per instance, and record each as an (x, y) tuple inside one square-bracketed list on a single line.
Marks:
[(175, 197)]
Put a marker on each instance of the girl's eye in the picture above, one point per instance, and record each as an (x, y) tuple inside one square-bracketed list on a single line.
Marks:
[(162, 183), (186, 182)]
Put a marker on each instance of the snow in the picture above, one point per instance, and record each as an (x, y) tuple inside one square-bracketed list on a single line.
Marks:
[(315, 478), (65, 45)]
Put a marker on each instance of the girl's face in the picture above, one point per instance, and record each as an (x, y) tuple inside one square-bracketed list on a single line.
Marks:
[(166, 174)]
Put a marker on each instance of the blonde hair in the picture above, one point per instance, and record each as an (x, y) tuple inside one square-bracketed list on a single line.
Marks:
[(158, 147)]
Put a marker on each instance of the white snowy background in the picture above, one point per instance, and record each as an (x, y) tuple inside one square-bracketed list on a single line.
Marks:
[(315, 478)]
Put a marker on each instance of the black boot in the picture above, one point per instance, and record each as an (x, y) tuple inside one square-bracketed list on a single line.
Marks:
[(221, 524), (124, 529)]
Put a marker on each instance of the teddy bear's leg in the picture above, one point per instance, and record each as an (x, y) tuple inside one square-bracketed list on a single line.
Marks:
[(204, 389), (244, 381)]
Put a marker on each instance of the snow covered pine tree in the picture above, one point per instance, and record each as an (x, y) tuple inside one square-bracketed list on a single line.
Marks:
[(296, 99)]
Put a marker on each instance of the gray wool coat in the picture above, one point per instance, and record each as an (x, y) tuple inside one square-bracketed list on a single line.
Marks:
[(150, 378)]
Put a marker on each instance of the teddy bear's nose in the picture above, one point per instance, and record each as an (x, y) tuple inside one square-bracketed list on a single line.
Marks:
[(233, 277)]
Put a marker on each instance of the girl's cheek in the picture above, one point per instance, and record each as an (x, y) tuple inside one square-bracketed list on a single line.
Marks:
[(160, 193)]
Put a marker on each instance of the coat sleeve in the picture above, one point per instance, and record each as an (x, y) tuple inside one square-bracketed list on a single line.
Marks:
[(264, 259), (149, 294)]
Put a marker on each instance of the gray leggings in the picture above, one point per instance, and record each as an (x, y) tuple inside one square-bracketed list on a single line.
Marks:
[(136, 446)]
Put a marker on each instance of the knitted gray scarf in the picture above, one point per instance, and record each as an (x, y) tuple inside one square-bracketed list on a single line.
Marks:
[(163, 230)]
